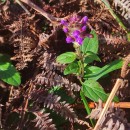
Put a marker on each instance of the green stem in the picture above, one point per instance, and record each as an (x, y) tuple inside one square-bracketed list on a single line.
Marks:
[(114, 15), (86, 106), (81, 58)]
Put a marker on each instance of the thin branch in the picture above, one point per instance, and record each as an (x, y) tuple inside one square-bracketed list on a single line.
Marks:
[(106, 2), (51, 18), (26, 10), (92, 105), (109, 100)]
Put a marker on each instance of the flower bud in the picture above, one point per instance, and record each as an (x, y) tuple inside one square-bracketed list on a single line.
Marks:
[(76, 33), (65, 29), (84, 20), (69, 39), (75, 29), (84, 28)]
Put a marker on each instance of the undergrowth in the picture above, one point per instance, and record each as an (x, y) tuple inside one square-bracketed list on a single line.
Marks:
[(63, 63)]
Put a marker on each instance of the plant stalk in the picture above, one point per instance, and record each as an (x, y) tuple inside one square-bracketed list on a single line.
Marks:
[(86, 105), (81, 58), (114, 15)]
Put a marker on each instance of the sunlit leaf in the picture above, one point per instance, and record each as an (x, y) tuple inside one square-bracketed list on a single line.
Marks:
[(67, 57)]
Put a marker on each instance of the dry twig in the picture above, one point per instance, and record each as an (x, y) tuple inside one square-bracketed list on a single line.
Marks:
[(51, 18), (109, 100)]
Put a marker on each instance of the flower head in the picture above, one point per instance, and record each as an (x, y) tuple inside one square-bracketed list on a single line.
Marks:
[(76, 33), (75, 29)]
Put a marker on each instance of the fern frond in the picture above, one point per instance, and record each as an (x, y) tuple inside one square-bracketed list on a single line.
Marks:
[(112, 39), (114, 119), (43, 122), (51, 78), (63, 108), (124, 70), (124, 7), (42, 99)]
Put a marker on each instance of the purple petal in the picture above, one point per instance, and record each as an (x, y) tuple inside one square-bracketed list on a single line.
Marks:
[(76, 33), (64, 22), (84, 19), (65, 30), (79, 40), (84, 28), (69, 39)]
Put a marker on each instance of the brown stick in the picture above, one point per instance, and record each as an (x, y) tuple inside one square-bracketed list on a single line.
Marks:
[(42, 12), (92, 105), (109, 100), (23, 7)]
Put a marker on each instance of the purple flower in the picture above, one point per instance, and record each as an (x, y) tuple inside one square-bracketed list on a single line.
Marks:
[(75, 28), (64, 22), (69, 39), (79, 40), (84, 28), (65, 30), (76, 33), (84, 20)]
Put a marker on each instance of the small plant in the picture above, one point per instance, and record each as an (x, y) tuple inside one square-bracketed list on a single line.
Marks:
[(80, 61), (57, 91)]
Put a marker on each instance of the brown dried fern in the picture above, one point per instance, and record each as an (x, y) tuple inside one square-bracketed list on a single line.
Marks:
[(43, 122), (124, 91), (52, 73), (112, 39), (42, 99), (124, 8), (113, 120), (124, 70)]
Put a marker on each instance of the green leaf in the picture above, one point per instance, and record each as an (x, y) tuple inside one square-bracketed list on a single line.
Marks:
[(91, 57), (67, 57), (117, 64), (115, 99), (90, 44), (91, 69), (93, 90), (72, 68), (9, 74)]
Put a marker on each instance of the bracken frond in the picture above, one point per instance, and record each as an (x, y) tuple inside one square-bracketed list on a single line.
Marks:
[(43, 122), (124, 7), (112, 39), (124, 90), (63, 108), (51, 78), (113, 120), (42, 99), (124, 70), (52, 73)]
